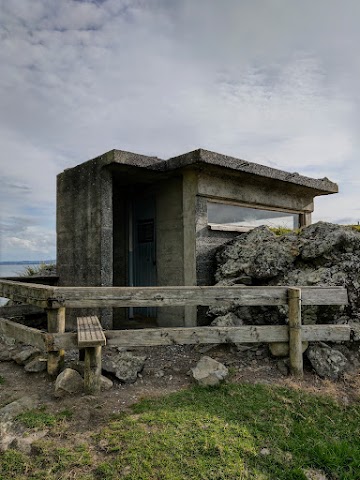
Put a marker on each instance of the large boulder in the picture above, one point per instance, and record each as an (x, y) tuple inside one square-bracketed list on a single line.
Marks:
[(326, 361), (320, 254)]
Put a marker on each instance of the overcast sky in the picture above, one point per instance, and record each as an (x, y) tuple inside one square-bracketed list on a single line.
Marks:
[(270, 81)]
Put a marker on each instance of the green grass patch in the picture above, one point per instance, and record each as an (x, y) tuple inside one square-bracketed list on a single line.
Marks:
[(40, 418), (222, 433), (231, 432), (2, 380)]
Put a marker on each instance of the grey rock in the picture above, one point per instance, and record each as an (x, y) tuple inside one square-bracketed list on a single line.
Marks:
[(6, 353), (312, 474), (281, 349), (36, 365), (25, 355), (7, 415), (228, 320), (283, 367), (209, 372), (11, 410), (124, 365), (321, 254), (8, 341), (68, 382), (24, 443), (326, 361), (106, 383)]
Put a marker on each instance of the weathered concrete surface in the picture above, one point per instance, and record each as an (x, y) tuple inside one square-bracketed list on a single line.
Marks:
[(92, 214)]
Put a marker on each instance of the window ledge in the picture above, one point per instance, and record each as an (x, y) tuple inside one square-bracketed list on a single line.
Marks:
[(226, 227)]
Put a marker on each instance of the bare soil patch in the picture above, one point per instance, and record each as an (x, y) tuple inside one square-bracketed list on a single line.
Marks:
[(167, 370)]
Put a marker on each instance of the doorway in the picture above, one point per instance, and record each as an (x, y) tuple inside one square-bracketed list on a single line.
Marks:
[(142, 250)]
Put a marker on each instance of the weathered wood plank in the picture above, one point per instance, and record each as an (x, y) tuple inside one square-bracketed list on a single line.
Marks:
[(90, 332), (45, 296), (295, 344), (35, 294), (197, 335), (56, 324), (22, 333), (77, 297), (92, 369)]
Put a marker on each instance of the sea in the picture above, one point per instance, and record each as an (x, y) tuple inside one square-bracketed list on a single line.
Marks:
[(16, 269)]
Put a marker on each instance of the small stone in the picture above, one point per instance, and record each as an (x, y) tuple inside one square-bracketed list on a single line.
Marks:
[(209, 372), (124, 365), (69, 382), (106, 383), (265, 451), (228, 320), (24, 444), (25, 355), (283, 367), (6, 354), (312, 474), (160, 374), (281, 349), (37, 364)]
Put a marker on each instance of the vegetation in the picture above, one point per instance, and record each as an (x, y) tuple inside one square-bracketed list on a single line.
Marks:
[(2, 380), (41, 418), (43, 270), (232, 432), (281, 230)]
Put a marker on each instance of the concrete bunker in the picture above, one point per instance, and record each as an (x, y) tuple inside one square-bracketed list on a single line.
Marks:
[(125, 219)]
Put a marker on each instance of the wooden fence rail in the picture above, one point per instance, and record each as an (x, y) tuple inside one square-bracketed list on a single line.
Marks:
[(56, 299)]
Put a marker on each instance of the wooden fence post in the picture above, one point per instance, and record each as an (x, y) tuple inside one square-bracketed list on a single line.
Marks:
[(295, 344), (56, 324)]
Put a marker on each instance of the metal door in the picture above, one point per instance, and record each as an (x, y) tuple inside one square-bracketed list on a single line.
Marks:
[(144, 248)]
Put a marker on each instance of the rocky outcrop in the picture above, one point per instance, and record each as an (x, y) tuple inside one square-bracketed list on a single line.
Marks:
[(321, 254)]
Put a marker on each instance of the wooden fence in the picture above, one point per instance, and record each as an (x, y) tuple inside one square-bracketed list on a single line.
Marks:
[(55, 300)]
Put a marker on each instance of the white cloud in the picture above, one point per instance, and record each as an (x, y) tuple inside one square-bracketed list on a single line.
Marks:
[(272, 82)]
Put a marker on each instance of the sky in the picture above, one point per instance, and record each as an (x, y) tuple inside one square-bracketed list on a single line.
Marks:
[(274, 82)]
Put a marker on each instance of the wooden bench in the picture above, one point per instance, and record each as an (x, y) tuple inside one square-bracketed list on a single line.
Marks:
[(90, 336)]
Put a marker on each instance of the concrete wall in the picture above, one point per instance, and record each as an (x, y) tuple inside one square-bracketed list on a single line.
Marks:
[(120, 248), (170, 244), (84, 231), (232, 189)]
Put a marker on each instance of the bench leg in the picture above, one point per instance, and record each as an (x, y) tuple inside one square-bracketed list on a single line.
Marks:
[(92, 373), (56, 324)]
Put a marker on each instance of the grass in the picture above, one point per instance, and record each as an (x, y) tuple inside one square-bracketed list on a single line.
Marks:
[(43, 269), (40, 418), (2, 380), (231, 432)]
